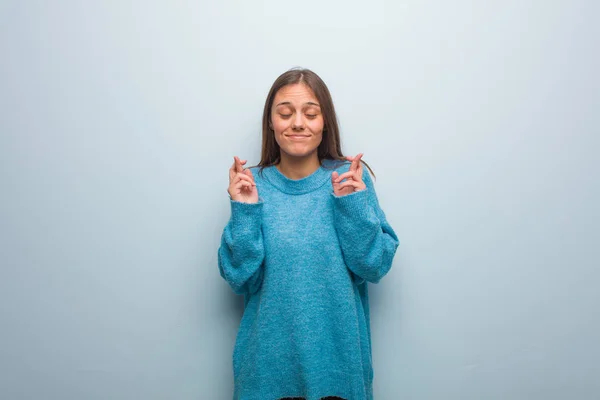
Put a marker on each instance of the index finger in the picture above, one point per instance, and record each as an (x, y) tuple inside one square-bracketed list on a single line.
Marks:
[(238, 164), (356, 162), (359, 168)]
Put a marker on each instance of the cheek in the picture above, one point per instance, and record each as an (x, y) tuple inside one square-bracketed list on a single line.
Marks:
[(316, 126), (280, 125)]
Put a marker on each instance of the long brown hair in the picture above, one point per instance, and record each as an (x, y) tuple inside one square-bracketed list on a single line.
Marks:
[(330, 147)]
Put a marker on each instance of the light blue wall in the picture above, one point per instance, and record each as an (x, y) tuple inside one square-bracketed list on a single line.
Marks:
[(118, 123)]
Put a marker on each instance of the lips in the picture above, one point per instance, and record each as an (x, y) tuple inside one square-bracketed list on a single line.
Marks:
[(297, 136)]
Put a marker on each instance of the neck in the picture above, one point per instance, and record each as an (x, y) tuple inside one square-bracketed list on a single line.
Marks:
[(298, 167)]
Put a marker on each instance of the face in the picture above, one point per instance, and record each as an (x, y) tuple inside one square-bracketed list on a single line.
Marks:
[(297, 120)]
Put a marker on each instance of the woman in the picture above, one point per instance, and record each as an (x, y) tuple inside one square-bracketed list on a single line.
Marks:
[(305, 236)]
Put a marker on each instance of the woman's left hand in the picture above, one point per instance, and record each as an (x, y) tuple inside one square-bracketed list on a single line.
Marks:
[(354, 182)]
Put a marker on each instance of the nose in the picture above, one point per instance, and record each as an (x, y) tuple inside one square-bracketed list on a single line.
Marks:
[(298, 123)]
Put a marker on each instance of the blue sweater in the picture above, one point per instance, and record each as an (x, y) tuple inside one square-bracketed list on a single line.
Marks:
[(302, 257)]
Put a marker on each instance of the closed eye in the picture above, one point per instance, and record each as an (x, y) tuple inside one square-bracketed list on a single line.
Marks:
[(286, 116)]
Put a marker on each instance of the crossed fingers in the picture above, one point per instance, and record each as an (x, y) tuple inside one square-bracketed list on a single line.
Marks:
[(237, 168), (355, 171), (238, 177)]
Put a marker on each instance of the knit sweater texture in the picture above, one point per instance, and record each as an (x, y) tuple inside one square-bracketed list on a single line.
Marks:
[(302, 257)]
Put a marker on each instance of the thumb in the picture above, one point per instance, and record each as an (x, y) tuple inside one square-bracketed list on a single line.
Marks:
[(248, 172), (334, 176)]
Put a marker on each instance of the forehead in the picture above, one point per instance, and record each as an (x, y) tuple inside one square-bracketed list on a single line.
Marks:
[(296, 93)]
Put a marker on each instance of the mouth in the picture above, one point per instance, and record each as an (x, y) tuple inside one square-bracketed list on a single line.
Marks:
[(297, 136)]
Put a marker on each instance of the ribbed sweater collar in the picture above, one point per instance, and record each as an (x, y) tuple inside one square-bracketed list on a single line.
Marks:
[(299, 186)]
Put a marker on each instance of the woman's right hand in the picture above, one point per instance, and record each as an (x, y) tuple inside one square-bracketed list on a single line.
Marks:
[(242, 187)]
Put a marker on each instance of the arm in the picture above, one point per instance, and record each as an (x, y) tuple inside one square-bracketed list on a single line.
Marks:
[(241, 253), (368, 241)]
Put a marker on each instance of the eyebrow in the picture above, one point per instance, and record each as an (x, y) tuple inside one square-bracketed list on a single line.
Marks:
[(310, 103)]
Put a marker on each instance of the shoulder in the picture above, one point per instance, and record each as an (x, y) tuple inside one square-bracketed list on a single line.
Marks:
[(255, 170)]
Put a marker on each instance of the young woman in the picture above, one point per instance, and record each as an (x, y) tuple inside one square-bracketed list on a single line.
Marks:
[(306, 234)]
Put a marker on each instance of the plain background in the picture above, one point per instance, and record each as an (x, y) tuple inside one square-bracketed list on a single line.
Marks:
[(120, 119)]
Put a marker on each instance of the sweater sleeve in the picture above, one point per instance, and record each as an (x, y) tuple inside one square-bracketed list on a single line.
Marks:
[(367, 240), (242, 253)]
